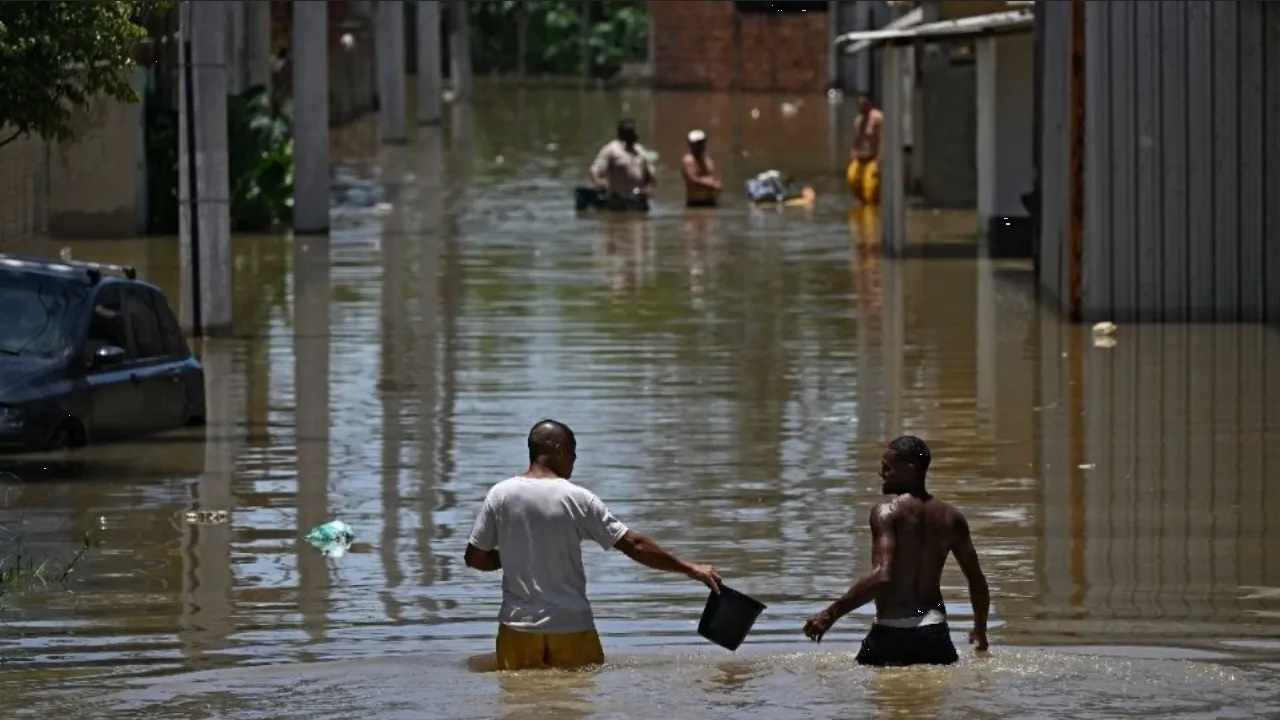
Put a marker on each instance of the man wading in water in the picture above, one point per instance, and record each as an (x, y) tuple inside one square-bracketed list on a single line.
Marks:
[(538, 520), (701, 186), (622, 169), (912, 535)]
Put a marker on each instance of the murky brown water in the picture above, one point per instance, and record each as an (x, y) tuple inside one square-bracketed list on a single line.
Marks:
[(732, 376)]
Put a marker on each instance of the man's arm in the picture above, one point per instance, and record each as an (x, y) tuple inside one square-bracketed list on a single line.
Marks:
[(873, 134), (482, 546), (690, 170), (869, 586), (979, 594), (600, 167), (482, 560), (646, 551)]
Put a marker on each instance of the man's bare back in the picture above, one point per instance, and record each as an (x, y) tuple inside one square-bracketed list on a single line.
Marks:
[(925, 531), (912, 534)]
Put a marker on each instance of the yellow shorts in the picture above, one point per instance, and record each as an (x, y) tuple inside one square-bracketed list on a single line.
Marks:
[(863, 177), (518, 650)]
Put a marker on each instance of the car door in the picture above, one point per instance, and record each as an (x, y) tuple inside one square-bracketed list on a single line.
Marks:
[(112, 407), (186, 387), (153, 375)]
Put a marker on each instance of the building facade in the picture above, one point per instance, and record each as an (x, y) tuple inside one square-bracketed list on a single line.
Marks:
[(720, 45), (1159, 165)]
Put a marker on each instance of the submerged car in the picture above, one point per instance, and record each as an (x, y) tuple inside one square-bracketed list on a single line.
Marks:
[(89, 353)]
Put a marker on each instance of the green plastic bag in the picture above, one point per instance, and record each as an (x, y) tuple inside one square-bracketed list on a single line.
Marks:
[(333, 538)]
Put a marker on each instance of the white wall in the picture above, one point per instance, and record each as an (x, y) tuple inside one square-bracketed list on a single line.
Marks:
[(1006, 93)]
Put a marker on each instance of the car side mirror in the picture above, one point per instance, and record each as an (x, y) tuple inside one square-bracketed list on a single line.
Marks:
[(108, 355)]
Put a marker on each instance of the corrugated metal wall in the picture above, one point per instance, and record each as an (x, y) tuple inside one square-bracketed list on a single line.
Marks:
[(1181, 168), (1055, 149)]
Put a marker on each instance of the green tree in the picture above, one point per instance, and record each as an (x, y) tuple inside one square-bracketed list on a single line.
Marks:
[(56, 57)]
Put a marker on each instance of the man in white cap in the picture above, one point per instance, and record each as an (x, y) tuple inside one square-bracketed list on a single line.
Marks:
[(701, 186)]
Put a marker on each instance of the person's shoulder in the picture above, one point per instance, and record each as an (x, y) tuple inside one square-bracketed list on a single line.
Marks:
[(505, 487)]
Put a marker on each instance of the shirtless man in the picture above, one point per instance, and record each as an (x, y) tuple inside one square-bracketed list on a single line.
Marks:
[(864, 159), (622, 168), (701, 186), (912, 535)]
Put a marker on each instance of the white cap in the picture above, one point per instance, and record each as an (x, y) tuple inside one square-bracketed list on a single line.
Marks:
[(696, 136)]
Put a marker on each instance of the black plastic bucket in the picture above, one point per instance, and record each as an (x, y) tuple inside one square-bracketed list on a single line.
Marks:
[(728, 617)]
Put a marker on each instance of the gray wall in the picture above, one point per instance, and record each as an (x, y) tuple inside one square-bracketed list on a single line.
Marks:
[(946, 130), (1055, 146), (1182, 173)]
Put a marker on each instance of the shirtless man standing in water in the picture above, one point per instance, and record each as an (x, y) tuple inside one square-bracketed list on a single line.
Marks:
[(701, 186), (912, 535), (864, 159)]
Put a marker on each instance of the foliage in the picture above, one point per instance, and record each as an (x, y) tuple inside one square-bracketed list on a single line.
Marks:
[(57, 56), (619, 34), (260, 163), (19, 572)]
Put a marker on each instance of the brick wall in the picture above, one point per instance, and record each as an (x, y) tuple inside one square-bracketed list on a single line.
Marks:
[(709, 45)]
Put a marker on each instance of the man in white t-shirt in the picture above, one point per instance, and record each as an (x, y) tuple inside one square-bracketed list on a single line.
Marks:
[(538, 520)]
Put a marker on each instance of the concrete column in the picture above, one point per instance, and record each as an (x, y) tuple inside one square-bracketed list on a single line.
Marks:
[(1005, 125), (584, 18), (237, 67), (310, 117), (460, 50), (258, 42), (389, 56), (893, 201), (429, 71), (204, 234)]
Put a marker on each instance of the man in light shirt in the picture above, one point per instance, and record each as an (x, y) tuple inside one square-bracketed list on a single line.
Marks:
[(538, 520), (622, 169)]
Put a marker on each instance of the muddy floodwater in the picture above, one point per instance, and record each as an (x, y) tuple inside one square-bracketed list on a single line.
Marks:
[(732, 375)]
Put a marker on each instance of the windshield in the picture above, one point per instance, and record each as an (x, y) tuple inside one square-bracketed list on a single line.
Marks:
[(38, 313)]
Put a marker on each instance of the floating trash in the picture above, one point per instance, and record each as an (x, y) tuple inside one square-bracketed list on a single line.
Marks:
[(333, 538), (206, 517)]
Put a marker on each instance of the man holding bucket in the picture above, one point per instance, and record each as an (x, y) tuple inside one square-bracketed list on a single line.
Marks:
[(912, 535), (538, 520)]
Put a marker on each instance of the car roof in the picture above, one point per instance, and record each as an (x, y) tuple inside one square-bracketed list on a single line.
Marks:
[(88, 273)]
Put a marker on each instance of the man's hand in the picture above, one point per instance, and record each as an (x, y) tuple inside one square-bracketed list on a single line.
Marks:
[(818, 625), (706, 575), (978, 638)]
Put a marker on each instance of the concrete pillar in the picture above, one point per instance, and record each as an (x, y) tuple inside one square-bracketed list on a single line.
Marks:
[(389, 56), (460, 50), (893, 200), (237, 59), (1005, 125), (204, 232), (310, 117), (429, 72), (584, 18), (258, 55), (522, 40)]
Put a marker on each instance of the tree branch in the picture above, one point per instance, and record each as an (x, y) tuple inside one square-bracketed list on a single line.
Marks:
[(11, 138)]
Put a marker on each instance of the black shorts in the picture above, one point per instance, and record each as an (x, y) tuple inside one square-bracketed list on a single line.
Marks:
[(921, 645), (701, 203)]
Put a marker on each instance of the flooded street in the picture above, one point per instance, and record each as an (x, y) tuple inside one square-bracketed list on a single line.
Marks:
[(732, 376)]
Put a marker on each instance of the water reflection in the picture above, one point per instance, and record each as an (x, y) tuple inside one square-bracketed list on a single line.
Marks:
[(206, 622), (733, 376), (311, 405), (1156, 458)]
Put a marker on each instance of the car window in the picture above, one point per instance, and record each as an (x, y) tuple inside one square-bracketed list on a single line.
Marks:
[(147, 340), (39, 315), (106, 326), (174, 343)]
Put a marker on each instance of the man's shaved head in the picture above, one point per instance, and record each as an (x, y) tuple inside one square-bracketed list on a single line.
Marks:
[(547, 437)]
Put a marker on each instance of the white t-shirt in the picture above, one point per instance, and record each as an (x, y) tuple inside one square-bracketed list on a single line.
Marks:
[(538, 526)]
